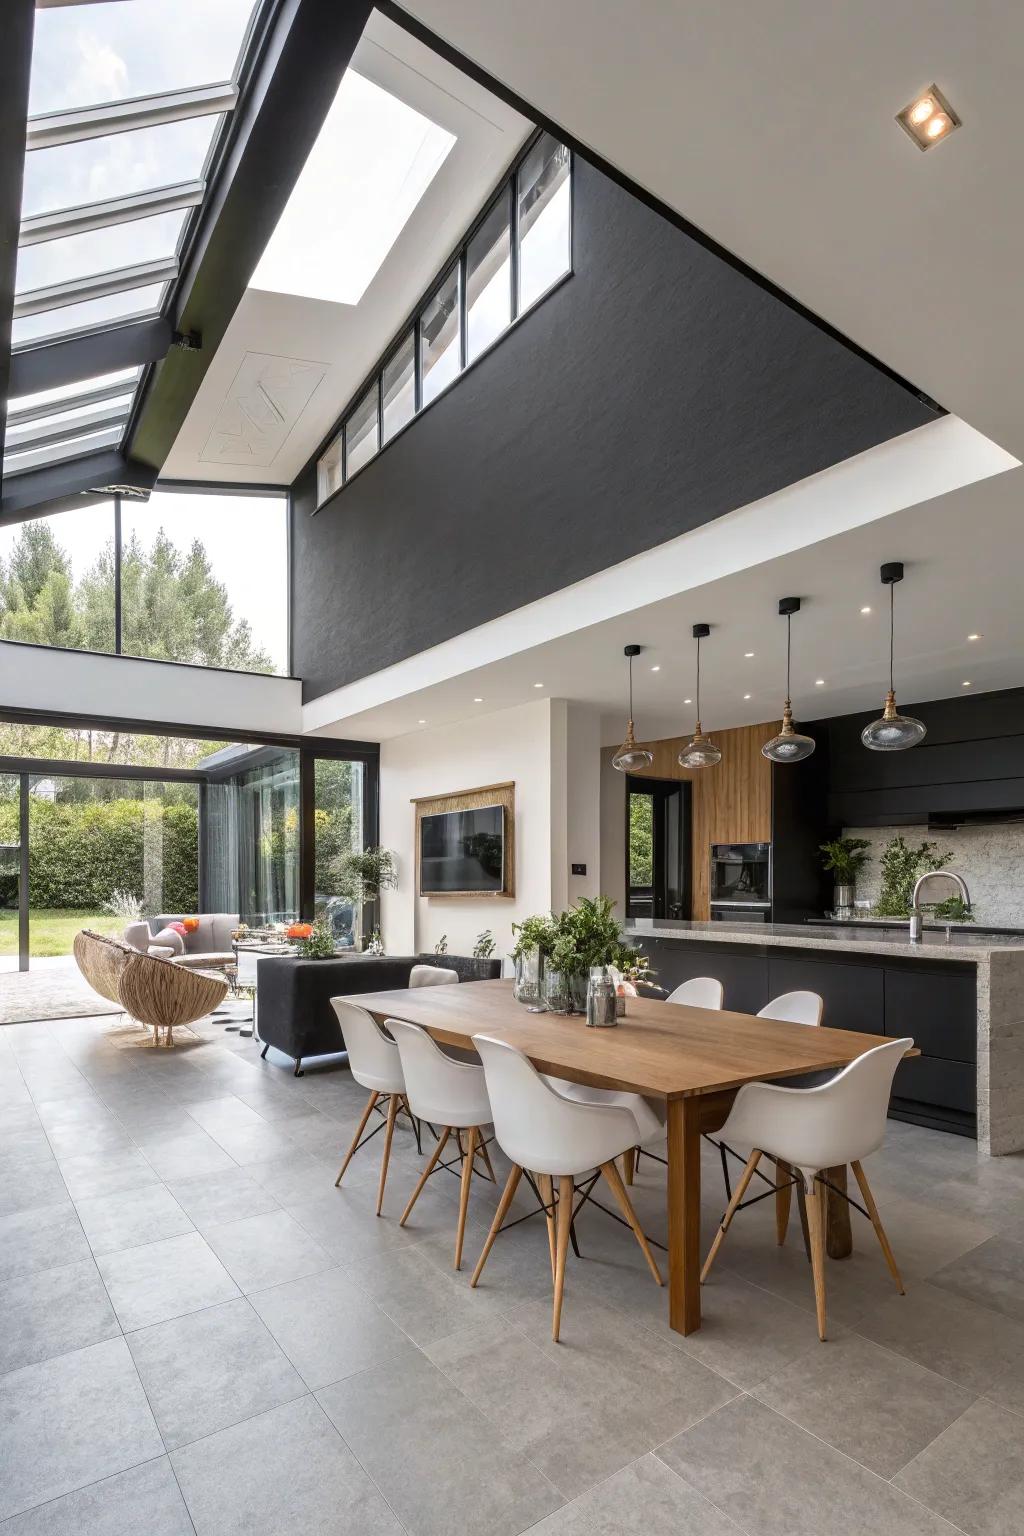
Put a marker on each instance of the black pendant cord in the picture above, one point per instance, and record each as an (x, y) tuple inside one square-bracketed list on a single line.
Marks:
[(698, 682), (631, 689), (789, 652), (892, 627)]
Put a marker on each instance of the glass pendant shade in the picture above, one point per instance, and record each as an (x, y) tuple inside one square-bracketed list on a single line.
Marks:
[(789, 746), (892, 732), (630, 758), (700, 751)]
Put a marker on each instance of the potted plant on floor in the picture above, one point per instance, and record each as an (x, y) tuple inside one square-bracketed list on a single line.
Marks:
[(845, 857)]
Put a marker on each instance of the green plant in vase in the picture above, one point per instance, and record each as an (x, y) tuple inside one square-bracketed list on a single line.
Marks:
[(534, 938), (361, 875), (319, 944), (845, 857)]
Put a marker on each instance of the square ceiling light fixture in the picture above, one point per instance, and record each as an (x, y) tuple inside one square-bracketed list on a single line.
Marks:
[(928, 119), (374, 158)]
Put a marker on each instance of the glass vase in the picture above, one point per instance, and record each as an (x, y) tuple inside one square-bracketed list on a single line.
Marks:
[(556, 990), (529, 970)]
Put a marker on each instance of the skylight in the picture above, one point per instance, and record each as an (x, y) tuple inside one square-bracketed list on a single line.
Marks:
[(373, 160)]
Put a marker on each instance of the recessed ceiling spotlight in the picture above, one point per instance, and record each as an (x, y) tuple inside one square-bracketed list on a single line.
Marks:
[(687, 701), (966, 685), (974, 637), (655, 669), (421, 722), (865, 610), (746, 695), (928, 119), (819, 682), (747, 655), (538, 685), (478, 701)]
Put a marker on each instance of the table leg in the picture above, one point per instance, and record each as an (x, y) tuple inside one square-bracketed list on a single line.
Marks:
[(684, 1214), (838, 1234)]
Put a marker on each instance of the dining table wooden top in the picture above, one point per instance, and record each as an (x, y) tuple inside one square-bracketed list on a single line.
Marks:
[(660, 1049)]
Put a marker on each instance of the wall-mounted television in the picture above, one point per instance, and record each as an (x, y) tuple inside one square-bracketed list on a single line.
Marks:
[(462, 853)]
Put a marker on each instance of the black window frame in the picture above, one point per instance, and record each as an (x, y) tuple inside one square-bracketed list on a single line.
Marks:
[(506, 189)]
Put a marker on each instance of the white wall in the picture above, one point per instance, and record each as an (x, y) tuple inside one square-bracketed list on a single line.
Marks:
[(508, 745), (613, 832), (577, 838), (124, 687), (989, 858)]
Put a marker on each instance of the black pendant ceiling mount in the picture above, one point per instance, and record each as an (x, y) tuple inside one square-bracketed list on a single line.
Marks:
[(789, 746), (630, 758), (892, 732), (700, 751)]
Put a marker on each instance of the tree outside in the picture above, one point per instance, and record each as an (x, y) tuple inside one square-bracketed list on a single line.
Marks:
[(641, 840), (172, 606)]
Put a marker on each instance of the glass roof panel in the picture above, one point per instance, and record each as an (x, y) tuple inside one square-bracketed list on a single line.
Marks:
[(374, 158), (78, 420), (91, 170), (112, 49), (69, 392), (133, 303), (53, 453), (100, 250)]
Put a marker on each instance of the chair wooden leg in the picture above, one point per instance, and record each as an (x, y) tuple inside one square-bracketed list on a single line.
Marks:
[(876, 1222), (367, 1112), (629, 1164), (817, 1215), (389, 1131), (467, 1179), (783, 1200), (439, 1147), (508, 1195), (563, 1223), (730, 1211), (482, 1152), (547, 1193), (618, 1189)]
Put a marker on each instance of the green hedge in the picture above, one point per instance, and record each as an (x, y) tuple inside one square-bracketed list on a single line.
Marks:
[(80, 853)]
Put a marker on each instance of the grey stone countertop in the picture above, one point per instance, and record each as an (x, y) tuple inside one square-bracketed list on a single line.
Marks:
[(961, 945)]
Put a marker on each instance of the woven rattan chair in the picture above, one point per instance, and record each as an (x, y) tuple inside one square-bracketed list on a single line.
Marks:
[(154, 992)]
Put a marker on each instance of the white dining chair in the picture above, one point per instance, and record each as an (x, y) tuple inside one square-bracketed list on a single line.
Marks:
[(451, 1095), (811, 1130), (432, 976), (376, 1065), (794, 1008), (699, 992), (553, 1137)]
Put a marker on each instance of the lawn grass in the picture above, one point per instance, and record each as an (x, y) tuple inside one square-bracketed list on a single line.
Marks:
[(51, 932)]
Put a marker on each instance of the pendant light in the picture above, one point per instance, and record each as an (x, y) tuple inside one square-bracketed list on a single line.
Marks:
[(700, 751), (892, 732), (630, 758), (788, 746)]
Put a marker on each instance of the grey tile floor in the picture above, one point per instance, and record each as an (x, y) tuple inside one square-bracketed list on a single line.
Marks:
[(201, 1335)]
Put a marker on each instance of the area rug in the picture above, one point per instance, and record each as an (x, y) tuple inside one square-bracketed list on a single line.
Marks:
[(48, 994)]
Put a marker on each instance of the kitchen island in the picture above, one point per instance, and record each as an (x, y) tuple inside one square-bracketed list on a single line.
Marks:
[(961, 998)]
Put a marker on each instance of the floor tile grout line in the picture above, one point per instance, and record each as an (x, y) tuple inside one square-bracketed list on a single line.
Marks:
[(148, 1461)]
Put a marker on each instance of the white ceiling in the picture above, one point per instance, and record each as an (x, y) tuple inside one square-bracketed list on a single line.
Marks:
[(770, 125), (346, 340), (956, 584)]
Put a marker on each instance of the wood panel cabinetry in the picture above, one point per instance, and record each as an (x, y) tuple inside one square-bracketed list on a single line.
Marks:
[(732, 802)]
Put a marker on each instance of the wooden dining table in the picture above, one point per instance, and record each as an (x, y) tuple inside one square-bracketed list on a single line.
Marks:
[(695, 1059)]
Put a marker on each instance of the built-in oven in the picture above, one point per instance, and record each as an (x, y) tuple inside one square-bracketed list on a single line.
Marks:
[(741, 882)]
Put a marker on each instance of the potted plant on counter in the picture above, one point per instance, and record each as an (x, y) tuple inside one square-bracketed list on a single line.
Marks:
[(534, 938), (566, 946), (901, 865), (845, 857)]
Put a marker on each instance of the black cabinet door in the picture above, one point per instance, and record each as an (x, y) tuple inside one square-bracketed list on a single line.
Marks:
[(854, 995), (743, 975), (937, 1085), (937, 1008)]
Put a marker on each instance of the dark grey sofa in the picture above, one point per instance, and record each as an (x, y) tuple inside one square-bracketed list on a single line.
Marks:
[(294, 995)]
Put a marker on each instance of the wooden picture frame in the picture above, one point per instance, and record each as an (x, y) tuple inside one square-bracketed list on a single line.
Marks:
[(471, 800)]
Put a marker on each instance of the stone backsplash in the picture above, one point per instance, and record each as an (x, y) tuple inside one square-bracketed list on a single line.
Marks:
[(991, 860)]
